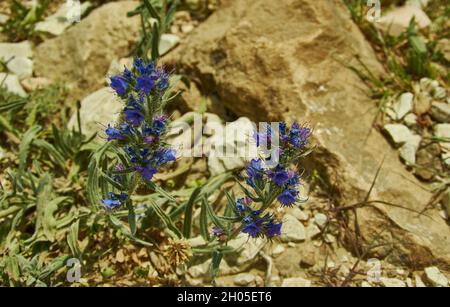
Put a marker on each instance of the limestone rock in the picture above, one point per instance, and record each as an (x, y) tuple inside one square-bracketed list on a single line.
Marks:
[(320, 219), (292, 230), (57, 23), (244, 279), (392, 282), (167, 43), (12, 84), (442, 131), (81, 55), (404, 105), (22, 67), (97, 111), (289, 63), (440, 111), (435, 277), (409, 149), (10, 50), (399, 134), (296, 282), (397, 21)]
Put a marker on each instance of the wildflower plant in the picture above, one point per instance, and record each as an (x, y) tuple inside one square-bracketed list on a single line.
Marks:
[(136, 149), (268, 184)]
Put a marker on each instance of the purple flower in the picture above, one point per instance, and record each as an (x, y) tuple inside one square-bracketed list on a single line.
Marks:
[(288, 197), (120, 167), (134, 116), (217, 231), (119, 84), (150, 139), (144, 84)]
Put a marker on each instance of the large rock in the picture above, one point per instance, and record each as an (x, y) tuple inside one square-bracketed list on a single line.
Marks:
[(295, 70), (81, 56)]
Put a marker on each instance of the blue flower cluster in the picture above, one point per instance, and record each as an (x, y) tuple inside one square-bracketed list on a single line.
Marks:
[(272, 183), (254, 223), (142, 127)]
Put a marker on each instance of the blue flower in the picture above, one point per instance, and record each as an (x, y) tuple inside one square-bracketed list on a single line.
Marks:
[(288, 197), (145, 84), (127, 75), (240, 205), (252, 229), (111, 204), (113, 134), (164, 155), (159, 124), (255, 170), (119, 84), (279, 175), (114, 201), (139, 66), (134, 116), (146, 172), (299, 135), (273, 229)]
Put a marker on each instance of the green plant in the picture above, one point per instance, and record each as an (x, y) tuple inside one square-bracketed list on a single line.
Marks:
[(20, 25)]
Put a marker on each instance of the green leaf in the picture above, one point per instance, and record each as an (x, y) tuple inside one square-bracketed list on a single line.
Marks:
[(9, 106), (162, 192), (24, 147), (188, 213), (54, 266), (215, 264), (131, 217), (72, 239), (212, 216), (51, 150), (126, 232), (152, 11), (166, 219), (204, 222), (155, 42)]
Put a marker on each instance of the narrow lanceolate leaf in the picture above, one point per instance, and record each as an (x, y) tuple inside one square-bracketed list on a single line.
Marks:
[(155, 42), (93, 191), (131, 217), (72, 239), (215, 264), (166, 219), (12, 105), (52, 152), (188, 213), (152, 11), (162, 192), (24, 147), (54, 266), (212, 216), (126, 232), (204, 222)]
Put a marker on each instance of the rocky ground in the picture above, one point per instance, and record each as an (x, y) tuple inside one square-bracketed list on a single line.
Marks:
[(378, 181)]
